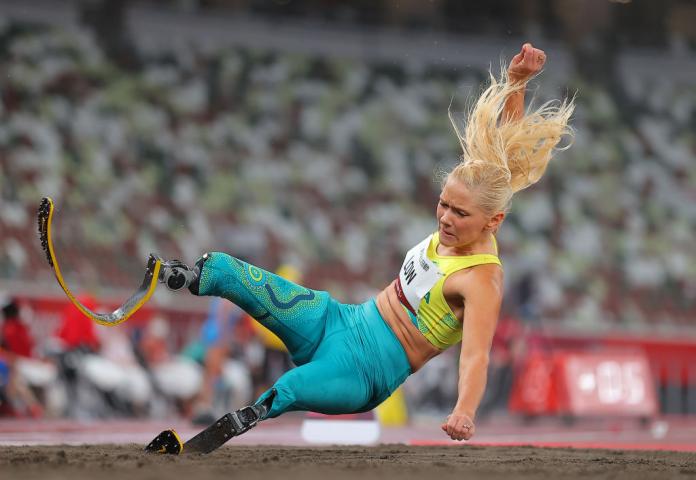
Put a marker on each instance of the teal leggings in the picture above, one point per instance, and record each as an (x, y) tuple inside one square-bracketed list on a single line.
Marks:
[(348, 359)]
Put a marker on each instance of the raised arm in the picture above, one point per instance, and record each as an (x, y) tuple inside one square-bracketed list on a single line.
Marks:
[(483, 291), (523, 66)]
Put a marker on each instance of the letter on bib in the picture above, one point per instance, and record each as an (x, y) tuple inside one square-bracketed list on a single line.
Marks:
[(418, 274)]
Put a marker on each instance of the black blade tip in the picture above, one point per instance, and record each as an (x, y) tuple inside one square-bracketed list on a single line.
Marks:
[(166, 442), (43, 217)]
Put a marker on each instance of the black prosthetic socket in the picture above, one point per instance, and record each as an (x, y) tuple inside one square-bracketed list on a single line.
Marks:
[(198, 268), (267, 403)]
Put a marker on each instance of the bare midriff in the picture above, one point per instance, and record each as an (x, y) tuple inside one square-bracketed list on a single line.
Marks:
[(418, 349)]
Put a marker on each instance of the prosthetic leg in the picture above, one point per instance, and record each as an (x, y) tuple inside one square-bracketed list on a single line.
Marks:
[(174, 274), (129, 307), (228, 426)]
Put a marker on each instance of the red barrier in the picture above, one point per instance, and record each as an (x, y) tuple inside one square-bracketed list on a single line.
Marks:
[(670, 358), (606, 384), (585, 384), (614, 374), (534, 390)]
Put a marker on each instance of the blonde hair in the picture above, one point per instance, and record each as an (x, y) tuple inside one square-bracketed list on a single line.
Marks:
[(501, 156)]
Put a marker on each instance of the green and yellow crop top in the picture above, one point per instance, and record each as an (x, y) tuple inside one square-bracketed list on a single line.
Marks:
[(419, 288)]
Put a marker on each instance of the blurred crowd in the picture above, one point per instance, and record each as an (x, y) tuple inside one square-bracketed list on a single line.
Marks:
[(83, 370), (322, 163), (328, 164)]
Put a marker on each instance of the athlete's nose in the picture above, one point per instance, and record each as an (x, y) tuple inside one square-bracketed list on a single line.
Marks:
[(445, 219)]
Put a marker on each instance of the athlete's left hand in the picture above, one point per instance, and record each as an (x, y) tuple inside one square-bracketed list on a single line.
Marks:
[(527, 63), (459, 426)]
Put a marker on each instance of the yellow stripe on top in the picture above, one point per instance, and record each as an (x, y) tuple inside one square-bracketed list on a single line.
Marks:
[(435, 318)]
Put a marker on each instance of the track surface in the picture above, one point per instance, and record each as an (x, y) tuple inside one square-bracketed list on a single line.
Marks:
[(106, 450), (386, 462)]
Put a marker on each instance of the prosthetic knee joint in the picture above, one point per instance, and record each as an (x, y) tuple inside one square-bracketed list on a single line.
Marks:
[(176, 275)]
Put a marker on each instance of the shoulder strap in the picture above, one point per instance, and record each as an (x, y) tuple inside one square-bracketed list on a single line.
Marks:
[(449, 265)]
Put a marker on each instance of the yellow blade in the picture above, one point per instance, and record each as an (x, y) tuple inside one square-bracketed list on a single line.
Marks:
[(129, 307)]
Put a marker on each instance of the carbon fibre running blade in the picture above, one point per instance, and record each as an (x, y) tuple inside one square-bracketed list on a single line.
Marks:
[(129, 307), (228, 426), (212, 437)]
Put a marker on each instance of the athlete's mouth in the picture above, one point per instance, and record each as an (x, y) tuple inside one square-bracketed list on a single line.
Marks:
[(445, 232)]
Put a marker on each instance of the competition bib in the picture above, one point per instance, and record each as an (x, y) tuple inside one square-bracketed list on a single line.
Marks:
[(417, 276)]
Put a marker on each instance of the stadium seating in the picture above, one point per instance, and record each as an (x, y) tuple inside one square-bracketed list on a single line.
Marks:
[(330, 164)]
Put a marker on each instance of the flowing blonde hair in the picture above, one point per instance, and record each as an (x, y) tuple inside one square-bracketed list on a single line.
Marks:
[(500, 156)]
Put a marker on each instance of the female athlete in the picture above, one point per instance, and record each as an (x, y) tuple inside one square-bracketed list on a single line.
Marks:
[(350, 358)]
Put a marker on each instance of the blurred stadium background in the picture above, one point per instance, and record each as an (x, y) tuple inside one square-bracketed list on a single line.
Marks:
[(306, 136)]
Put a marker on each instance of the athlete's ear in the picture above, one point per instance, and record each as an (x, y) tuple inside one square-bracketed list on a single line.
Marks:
[(495, 221)]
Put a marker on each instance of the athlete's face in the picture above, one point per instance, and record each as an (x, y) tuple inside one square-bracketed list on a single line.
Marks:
[(461, 221)]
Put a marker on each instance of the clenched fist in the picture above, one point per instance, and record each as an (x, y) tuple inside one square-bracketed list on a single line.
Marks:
[(526, 64), (459, 426)]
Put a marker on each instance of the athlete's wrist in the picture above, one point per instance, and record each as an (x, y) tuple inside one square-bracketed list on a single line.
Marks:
[(464, 410), (516, 77)]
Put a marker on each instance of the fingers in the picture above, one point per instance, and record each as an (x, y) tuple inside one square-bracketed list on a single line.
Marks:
[(519, 58), (463, 433), (538, 56), (529, 53), (527, 63), (458, 428), (533, 56)]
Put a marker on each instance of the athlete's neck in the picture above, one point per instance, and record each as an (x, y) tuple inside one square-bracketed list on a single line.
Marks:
[(483, 245)]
